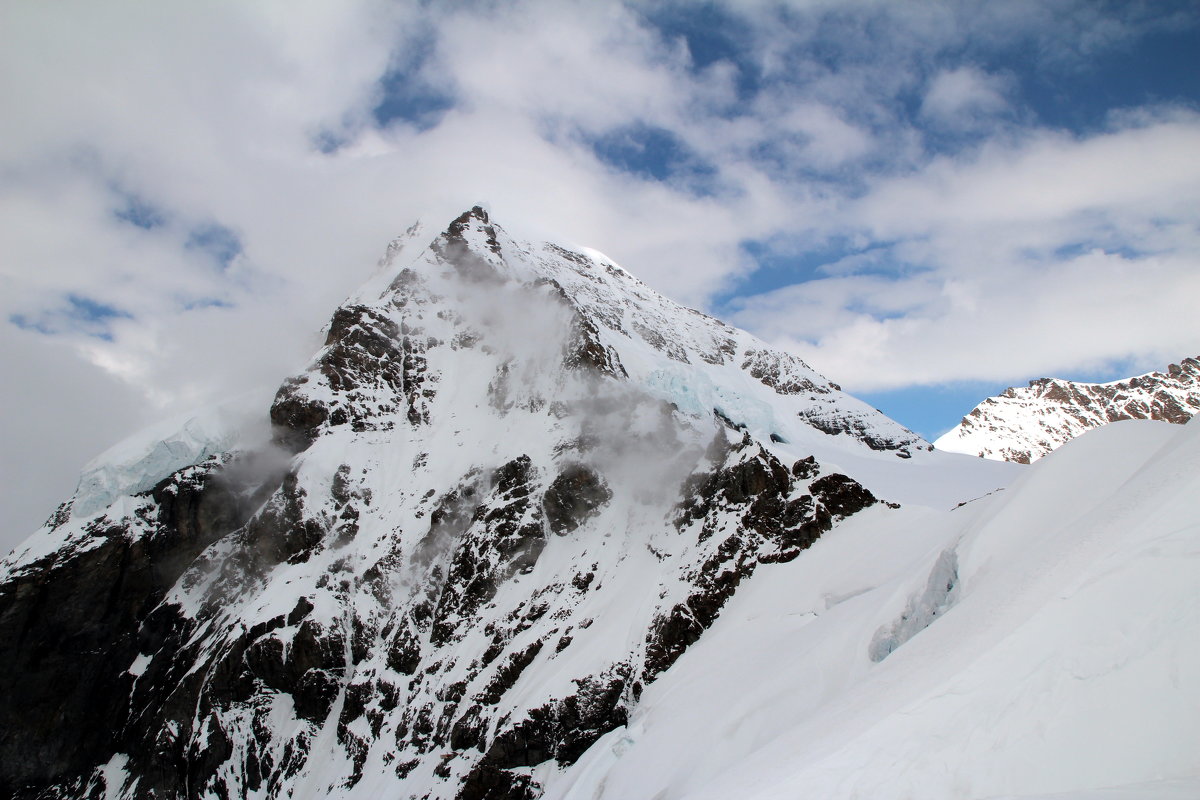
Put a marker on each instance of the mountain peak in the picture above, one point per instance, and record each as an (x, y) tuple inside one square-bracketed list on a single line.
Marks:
[(477, 212), (475, 288), (474, 218), (1022, 424), (511, 490)]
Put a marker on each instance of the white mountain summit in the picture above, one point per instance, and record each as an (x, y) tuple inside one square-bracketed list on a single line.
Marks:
[(1024, 424), (529, 529)]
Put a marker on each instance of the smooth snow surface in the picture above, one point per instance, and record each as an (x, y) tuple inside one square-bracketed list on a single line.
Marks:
[(1183, 789), (1067, 667)]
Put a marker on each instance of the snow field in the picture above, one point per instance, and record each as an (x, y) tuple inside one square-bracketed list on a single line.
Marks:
[(1069, 663)]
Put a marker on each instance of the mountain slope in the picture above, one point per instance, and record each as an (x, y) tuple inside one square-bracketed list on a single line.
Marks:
[(510, 491), (1042, 642), (1024, 424)]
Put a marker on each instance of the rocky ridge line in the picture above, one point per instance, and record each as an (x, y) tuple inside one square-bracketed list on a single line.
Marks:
[(1022, 424)]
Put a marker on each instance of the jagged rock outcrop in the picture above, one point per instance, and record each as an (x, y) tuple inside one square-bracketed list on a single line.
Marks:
[(73, 621), (517, 486), (1023, 424)]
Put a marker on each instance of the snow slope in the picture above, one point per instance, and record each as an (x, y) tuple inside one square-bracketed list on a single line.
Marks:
[(1023, 424), (1064, 660)]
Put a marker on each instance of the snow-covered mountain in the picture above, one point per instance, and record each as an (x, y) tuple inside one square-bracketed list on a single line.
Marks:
[(1042, 643), (1023, 424), (526, 528)]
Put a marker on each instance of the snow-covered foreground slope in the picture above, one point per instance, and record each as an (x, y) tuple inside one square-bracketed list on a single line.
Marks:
[(1061, 655), (1023, 424)]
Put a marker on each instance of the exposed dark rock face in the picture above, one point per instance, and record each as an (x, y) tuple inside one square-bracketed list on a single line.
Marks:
[(562, 730), (486, 782), (575, 495), (307, 664), (297, 417), (508, 673), (282, 531), (372, 366), (454, 249), (860, 428), (783, 373), (365, 349), (586, 351), (504, 536), (779, 518), (841, 496), (88, 613)]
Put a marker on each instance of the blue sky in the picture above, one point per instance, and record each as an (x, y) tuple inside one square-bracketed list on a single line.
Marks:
[(1161, 68), (928, 202)]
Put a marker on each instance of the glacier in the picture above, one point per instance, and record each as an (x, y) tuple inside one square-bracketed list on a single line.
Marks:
[(142, 460)]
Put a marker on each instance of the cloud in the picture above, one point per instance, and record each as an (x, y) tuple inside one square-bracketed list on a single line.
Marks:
[(964, 97), (227, 173), (1047, 256), (1143, 171), (76, 313), (54, 402)]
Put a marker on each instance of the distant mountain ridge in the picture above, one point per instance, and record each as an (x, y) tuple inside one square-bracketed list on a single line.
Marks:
[(1023, 424)]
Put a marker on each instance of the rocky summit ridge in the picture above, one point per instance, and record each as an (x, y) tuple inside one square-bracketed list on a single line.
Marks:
[(511, 489), (1023, 424)]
